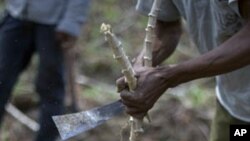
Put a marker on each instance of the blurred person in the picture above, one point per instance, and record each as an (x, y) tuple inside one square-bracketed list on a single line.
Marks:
[(44, 27), (221, 31)]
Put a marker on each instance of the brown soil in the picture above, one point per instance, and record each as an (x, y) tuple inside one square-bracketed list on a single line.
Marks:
[(171, 121)]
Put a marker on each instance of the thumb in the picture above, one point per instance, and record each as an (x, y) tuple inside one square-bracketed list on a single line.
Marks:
[(121, 84)]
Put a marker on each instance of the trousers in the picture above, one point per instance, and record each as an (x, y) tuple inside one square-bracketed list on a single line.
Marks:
[(220, 129), (19, 40)]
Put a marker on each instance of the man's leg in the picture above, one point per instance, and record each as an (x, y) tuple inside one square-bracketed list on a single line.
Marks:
[(15, 53), (221, 124), (50, 83)]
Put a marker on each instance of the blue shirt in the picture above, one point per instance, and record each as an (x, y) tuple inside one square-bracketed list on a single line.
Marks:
[(68, 15)]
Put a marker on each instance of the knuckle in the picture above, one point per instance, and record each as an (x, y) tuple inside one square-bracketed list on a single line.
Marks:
[(118, 82), (123, 95), (140, 98), (129, 111)]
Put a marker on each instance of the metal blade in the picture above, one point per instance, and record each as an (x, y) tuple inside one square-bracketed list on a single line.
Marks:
[(73, 124)]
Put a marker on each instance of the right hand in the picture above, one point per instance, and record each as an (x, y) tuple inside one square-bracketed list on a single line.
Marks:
[(151, 84)]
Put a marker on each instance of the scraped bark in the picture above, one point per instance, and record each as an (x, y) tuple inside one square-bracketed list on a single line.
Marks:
[(129, 74)]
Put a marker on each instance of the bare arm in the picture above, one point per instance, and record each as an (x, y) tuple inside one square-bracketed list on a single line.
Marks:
[(167, 38), (231, 55)]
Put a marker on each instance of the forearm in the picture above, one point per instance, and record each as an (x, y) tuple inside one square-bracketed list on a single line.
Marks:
[(167, 37), (229, 56), (166, 40)]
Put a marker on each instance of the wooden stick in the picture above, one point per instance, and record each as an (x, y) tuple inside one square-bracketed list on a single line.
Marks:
[(70, 87), (120, 56), (21, 117), (127, 70), (149, 38)]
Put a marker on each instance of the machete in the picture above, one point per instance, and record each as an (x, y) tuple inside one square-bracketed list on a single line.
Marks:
[(70, 125)]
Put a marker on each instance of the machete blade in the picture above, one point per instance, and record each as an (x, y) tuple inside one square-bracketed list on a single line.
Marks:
[(70, 125)]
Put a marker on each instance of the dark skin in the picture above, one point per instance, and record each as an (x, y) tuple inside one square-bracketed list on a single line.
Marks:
[(153, 82), (160, 52), (65, 40)]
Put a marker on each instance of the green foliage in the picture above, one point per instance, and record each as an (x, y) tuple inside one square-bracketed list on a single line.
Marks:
[(197, 95), (4, 134)]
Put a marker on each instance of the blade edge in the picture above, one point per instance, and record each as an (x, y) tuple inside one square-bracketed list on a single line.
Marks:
[(73, 124)]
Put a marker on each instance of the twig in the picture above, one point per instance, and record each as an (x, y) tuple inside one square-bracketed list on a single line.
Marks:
[(123, 26), (149, 38), (21, 117)]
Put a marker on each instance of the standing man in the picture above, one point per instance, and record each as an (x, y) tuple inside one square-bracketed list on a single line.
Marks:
[(221, 31), (45, 27)]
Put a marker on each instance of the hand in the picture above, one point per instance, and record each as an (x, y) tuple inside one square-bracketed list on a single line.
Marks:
[(66, 40), (151, 84)]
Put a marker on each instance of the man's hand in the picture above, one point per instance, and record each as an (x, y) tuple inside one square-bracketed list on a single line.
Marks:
[(151, 84), (66, 40)]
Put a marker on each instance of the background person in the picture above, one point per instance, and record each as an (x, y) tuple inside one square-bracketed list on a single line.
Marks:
[(43, 27)]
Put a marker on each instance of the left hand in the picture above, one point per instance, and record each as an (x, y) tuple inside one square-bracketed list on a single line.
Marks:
[(151, 84), (66, 40)]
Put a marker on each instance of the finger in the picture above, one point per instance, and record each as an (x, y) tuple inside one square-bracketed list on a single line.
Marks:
[(139, 116), (137, 75), (136, 113), (121, 84), (133, 103), (132, 99), (127, 96), (130, 103)]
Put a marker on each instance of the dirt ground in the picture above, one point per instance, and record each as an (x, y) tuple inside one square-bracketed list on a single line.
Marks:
[(174, 118), (171, 121)]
